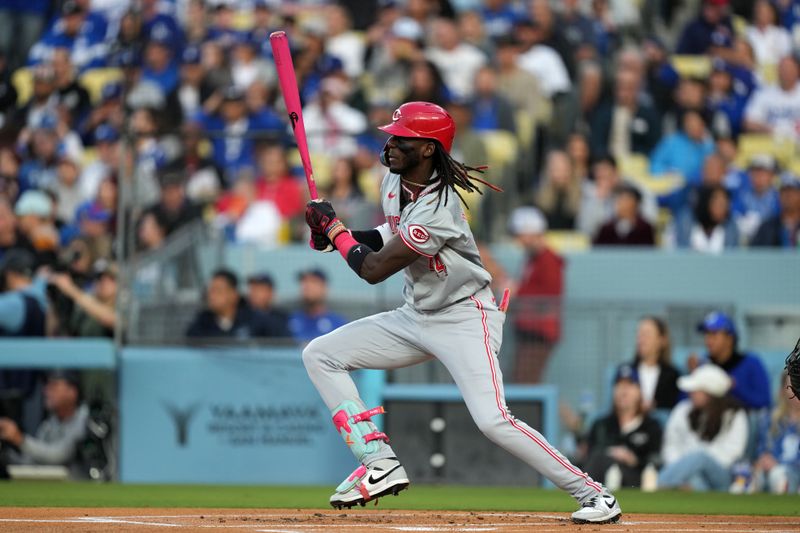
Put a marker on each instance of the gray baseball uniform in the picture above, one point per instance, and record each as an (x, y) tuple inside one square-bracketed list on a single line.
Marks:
[(450, 314)]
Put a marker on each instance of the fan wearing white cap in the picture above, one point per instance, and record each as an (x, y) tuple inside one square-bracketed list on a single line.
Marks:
[(705, 434), (537, 317)]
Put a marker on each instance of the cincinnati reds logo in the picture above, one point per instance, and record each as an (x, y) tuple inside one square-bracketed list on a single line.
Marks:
[(418, 234), (396, 115), (294, 119)]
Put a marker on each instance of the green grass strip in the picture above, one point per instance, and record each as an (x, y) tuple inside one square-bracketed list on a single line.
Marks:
[(420, 497)]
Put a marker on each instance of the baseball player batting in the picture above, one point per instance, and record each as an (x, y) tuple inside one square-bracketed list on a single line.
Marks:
[(449, 314)]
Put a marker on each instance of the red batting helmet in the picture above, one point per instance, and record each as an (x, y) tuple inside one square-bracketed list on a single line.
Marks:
[(424, 120)]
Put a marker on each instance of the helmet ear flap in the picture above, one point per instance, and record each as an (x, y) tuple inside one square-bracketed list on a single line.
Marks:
[(384, 155)]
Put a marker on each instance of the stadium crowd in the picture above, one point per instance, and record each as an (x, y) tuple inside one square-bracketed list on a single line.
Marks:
[(633, 123)]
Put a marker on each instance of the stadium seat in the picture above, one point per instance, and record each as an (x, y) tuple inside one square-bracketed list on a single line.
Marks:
[(567, 241), (22, 79), (660, 185), (692, 66), (634, 166), (95, 79), (526, 127), (751, 144)]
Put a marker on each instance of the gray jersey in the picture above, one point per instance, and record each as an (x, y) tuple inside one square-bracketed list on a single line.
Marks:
[(449, 269)]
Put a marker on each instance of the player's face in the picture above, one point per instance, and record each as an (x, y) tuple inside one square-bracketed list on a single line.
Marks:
[(405, 153)]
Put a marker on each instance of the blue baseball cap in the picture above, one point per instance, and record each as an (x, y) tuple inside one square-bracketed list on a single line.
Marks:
[(191, 55), (111, 91), (316, 272), (105, 133), (627, 372), (261, 278), (717, 321)]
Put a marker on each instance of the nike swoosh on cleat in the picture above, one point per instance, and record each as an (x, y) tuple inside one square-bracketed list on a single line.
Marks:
[(610, 502), (373, 480)]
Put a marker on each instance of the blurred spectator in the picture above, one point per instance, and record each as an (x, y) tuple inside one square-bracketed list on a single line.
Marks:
[(221, 26), (67, 189), (247, 66), (34, 212), (313, 319), (705, 434), (490, 110), (578, 30), (597, 195), (156, 13), (108, 112), (426, 84), (578, 152), (342, 42), (684, 151), (628, 227), (232, 128), (194, 87), (313, 64), (203, 178), (71, 95), (249, 218), (150, 233), (537, 313), (9, 174), (23, 300), (276, 184), (627, 438), (330, 122), (468, 145), (626, 125), (456, 60), (104, 165), (500, 16), (149, 156), (541, 60), (43, 101), (727, 98), (345, 193), (519, 86), (757, 200), (470, 26), (777, 469), (710, 33), (770, 41), (658, 378), (712, 229), (21, 24), (93, 313), (775, 109), (227, 314), (10, 235), (750, 383), (660, 76), (40, 157), (58, 437), (218, 75), (129, 38), (559, 193), (174, 209), (783, 229), (82, 32), (261, 297), (391, 55)]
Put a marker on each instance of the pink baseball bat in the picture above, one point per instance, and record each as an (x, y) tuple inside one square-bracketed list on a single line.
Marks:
[(291, 97)]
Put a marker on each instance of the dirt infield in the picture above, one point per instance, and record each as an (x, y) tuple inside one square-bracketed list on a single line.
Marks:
[(16, 519)]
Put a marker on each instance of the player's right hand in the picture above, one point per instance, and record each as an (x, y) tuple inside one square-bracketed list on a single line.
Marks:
[(320, 242)]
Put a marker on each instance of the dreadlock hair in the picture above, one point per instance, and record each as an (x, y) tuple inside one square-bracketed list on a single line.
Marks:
[(456, 175)]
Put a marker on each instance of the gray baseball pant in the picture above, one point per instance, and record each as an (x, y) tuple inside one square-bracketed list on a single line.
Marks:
[(466, 338)]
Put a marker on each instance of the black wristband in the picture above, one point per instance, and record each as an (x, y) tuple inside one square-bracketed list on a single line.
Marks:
[(356, 257)]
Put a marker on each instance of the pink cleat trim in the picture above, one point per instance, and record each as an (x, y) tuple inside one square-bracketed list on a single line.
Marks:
[(364, 492), (357, 473)]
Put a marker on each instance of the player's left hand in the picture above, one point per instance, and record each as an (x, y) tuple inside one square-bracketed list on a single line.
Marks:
[(321, 218)]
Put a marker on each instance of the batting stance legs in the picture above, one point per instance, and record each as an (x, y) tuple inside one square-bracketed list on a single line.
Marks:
[(466, 338)]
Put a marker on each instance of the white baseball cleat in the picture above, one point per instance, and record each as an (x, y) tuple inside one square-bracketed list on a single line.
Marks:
[(601, 509), (381, 478)]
